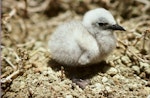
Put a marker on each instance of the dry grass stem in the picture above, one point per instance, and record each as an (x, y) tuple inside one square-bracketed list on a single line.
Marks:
[(9, 78)]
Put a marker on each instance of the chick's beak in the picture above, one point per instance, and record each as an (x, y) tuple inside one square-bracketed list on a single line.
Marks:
[(116, 27)]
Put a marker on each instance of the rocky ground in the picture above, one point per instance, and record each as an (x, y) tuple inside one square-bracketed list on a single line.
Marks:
[(27, 68)]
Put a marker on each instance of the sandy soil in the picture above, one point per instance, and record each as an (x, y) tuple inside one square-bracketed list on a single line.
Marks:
[(29, 72)]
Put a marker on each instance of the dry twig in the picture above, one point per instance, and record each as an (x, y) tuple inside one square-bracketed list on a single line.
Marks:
[(6, 17), (12, 51), (62, 72), (27, 43), (40, 8), (146, 2), (144, 39), (9, 78), (127, 49), (26, 9), (9, 62)]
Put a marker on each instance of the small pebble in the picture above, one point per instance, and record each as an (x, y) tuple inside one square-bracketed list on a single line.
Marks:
[(97, 87), (130, 36), (120, 77), (23, 84), (136, 69), (147, 89), (104, 79), (108, 89), (69, 96), (112, 71), (125, 60), (133, 86), (145, 67)]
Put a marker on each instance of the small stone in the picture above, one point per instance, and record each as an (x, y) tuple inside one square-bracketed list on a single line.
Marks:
[(130, 36), (145, 67), (69, 96), (104, 79), (136, 69), (143, 75), (144, 82), (108, 89), (97, 87), (120, 77), (119, 61), (125, 60), (112, 71), (22, 84), (147, 89), (133, 86), (112, 63)]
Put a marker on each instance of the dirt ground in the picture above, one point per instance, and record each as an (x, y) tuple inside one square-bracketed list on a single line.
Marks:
[(27, 70)]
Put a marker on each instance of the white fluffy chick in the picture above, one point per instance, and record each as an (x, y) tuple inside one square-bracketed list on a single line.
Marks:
[(80, 43)]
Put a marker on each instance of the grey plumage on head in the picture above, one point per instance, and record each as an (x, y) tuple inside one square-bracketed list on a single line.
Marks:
[(80, 43)]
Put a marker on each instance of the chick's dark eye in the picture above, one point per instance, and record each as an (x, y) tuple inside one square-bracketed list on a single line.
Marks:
[(102, 24)]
